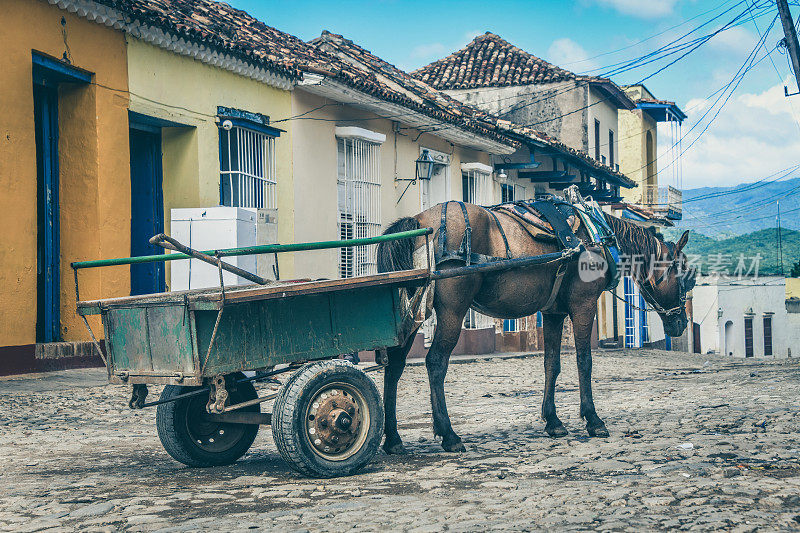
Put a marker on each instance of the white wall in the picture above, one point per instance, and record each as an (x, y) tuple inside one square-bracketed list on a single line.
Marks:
[(717, 302)]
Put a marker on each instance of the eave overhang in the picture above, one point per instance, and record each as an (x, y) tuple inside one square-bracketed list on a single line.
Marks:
[(327, 88), (661, 111), (114, 18)]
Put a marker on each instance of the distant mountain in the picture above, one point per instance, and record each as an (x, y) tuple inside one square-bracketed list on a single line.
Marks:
[(762, 242), (722, 212)]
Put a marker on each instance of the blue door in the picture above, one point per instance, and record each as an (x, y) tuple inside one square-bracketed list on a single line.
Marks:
[(48, 300), (147, 207)]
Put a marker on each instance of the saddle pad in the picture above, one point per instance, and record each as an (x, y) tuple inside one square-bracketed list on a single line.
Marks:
[(536, 225)]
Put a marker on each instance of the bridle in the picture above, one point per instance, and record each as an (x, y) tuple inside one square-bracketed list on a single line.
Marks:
[(648, 289)]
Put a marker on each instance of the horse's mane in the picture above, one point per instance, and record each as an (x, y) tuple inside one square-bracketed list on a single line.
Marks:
[(635, 240)]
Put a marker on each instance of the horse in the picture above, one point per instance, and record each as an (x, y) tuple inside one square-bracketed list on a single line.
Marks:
[(663, 279)]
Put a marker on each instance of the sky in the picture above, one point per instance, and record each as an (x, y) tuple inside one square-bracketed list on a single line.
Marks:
[(754, 134)]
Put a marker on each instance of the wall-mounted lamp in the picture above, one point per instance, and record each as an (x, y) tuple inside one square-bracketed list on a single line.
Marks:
[(425, 165)]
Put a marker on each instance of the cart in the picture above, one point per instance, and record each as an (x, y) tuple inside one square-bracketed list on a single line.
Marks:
[(327, 419)]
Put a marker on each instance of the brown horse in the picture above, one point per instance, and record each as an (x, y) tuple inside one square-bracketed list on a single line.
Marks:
[(520, 292)]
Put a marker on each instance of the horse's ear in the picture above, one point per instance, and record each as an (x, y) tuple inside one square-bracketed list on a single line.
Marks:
[(682, 242)]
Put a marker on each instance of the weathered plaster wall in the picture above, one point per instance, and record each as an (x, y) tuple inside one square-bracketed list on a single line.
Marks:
[(558, 109), (314, 156), (599, 108), (180, 89), (94, 186), (633, 126)]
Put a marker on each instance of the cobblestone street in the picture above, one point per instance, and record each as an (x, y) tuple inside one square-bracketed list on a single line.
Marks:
[(697, 442)]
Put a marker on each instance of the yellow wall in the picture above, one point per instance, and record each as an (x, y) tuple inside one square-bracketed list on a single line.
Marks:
[(315, 170), (793, 287), (94, 186), (183, 90)]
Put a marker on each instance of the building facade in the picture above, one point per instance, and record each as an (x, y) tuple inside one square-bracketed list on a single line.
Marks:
[(742, 317), (63, 175)]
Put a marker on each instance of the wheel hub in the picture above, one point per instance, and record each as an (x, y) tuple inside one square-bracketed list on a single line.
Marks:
[(334, 421)]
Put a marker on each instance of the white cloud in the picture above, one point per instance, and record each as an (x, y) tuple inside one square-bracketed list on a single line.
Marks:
[(651, 9), (754, 136), (735, 39), (566, 52)]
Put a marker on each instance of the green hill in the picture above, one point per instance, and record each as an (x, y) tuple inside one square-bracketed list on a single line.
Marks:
[(747, 246), (724, 212)]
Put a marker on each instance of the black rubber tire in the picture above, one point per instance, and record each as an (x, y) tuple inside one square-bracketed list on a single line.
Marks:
[(172, 426), (289, 418)]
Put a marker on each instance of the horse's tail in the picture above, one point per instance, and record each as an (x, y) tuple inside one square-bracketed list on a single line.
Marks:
[(399, 254)]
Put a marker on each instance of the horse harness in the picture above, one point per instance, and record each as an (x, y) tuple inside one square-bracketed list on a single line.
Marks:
[(555, 212)]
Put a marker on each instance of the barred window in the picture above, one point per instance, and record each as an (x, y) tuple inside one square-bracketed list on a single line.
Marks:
[(359, 195), (247, 168)]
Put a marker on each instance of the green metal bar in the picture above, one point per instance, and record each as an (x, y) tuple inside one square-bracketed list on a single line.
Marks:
[(254, 250)]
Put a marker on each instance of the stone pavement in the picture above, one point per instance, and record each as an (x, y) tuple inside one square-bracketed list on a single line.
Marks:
[(697, 442)]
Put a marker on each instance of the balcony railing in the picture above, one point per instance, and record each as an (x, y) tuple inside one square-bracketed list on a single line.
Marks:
[(650, 195), (670, 202)]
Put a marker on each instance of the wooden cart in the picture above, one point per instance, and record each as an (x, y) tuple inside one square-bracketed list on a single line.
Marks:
[(327, 419)]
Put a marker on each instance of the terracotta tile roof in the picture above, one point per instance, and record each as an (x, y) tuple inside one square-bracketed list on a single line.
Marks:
[(490, 61), (400, 81), (373, 75), (222, 27)]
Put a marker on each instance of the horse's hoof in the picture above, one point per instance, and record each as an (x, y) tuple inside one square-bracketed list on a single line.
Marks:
[(456, 446), (556, 431), (597, 431), (395, 449)]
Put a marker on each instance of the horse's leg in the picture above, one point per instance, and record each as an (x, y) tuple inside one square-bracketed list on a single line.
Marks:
[(582, 322), (553, 326), (394, 369), (445, 337)]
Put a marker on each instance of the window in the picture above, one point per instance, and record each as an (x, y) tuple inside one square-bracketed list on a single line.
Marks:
[(768, 335), (476, 187), (506, 193), (611, 148), (596, 140), (748, 336), (437, 189), (247, 168), (510, 324), (359, 193), (476, 183)]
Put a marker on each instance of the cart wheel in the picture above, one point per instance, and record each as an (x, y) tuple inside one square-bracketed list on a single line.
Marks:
[(193, 440), (328, 419)]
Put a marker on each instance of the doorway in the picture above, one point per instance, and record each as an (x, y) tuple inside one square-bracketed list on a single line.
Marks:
[(48, 286), (729, 342), (147, 207)]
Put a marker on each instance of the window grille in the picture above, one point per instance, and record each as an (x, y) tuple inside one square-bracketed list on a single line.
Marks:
[(506, 193), (247, 169), (475, 320), (476, 189), (359, 188), (630, 317)]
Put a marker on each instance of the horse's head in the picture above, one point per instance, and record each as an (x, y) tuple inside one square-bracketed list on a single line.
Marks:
[(669, 280)]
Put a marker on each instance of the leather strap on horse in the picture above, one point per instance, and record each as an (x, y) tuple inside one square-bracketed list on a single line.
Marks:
[(502, 232), (464, 252), (558, 222)]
